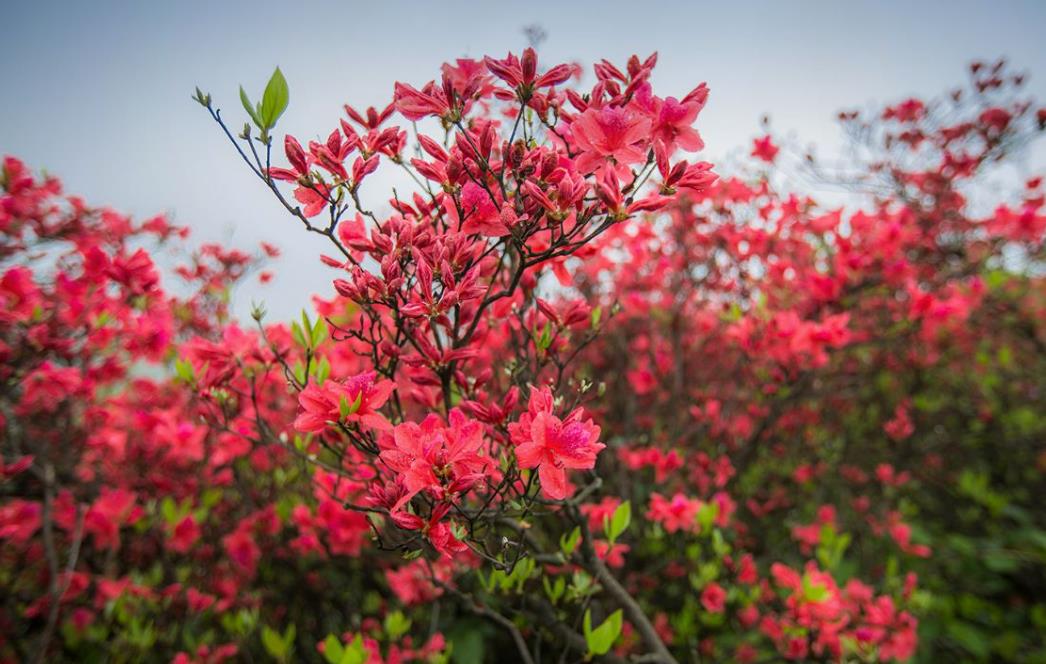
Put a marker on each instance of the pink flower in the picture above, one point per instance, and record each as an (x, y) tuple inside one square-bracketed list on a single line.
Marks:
[(314, 198), (764, 148), (478, 213), (111, 510), (416, 104), (242, 550), (299, 161), (672, 123), (19, 520), (356, 400), (136, 272), (597, 513), (412, 583), (435, 457), (552, 445), (345, 529), (609, 133), (900, 426), (614, 556), (439, 532), (996, 118), (713, 598), (747, 572), (184, 535), (797, 648), (679, 513), (522, 72), (748, 616), (198, 602), (908, 110), (372, 118), (442, 538)]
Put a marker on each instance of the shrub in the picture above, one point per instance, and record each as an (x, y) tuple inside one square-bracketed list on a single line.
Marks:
[(573, 396)]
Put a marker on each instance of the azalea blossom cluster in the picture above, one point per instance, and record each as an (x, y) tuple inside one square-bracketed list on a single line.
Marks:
[(523, 173), (91, 444), (782, 361), (416, 404)]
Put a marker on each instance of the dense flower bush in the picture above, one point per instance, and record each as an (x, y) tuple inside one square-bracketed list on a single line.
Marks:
[(572, 396)]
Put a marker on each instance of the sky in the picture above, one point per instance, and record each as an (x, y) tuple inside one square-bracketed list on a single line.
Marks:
[(99, 92)]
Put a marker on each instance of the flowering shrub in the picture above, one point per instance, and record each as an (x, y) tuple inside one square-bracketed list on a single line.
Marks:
[(573, 396)]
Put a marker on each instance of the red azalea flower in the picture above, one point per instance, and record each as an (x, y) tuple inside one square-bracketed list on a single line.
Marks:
[(552, 445), (355, 400), (437, 458), (764, 148), (713, 598), (610, 133)]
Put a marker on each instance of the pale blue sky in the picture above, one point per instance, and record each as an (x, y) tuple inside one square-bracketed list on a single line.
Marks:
[(98, 91)]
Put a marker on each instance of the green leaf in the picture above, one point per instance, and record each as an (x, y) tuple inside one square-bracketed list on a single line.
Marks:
[(545, 339), (346, 409), (306, 324), (814, 592), (1005, 356), (210, 498), (185, 371), (970, 638), (297, 334), (332, 649), (719, 544), (274, 100), (521, 573), (568, 543), (469, 640), (319, 332), (597, 315), (323, 370), (169, 510), (832, 546), (601, 639), (396, 625), (554, 590), (355, 652), (249, 107), (706, 515), (580, 584), (277, 645), (619, 522)]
